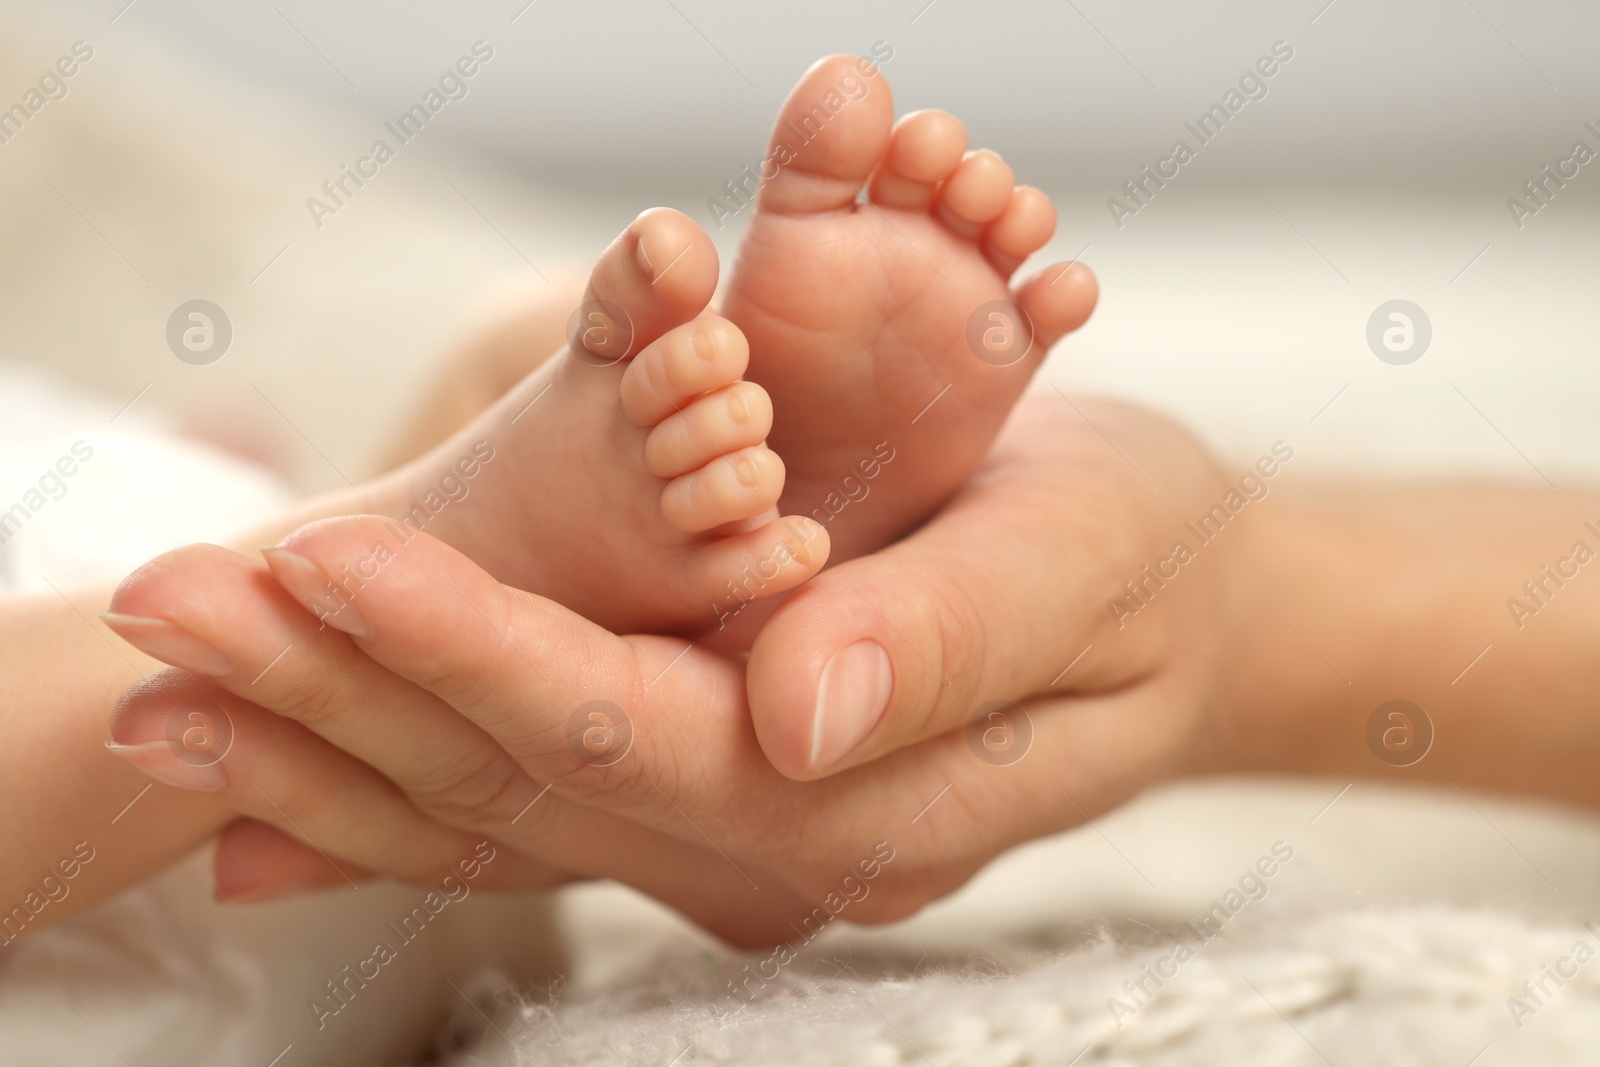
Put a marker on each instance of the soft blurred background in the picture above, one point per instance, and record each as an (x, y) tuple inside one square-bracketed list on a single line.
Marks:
[(1377, 167)]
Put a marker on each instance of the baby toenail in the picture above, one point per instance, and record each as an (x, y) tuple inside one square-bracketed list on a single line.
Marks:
[(704, 343), (738, 410), (748, 471), (641, 257)]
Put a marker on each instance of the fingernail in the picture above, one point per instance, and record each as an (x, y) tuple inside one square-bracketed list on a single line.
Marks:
[(169, 643), (156, 759), (642, 258), (306, 583), (852, 696)]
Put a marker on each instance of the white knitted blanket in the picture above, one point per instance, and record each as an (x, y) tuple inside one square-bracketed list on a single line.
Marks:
[(1416, 987)]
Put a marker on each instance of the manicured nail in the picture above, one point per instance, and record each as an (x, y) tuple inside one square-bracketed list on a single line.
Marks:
[(306, 583), (169, 643), (159, 761), (852, 696)]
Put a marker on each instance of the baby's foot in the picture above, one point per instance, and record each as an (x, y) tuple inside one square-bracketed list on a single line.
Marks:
[(866, 319), (628, 478)]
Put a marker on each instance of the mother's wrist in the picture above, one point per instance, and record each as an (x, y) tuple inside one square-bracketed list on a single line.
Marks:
[(1273, 699)]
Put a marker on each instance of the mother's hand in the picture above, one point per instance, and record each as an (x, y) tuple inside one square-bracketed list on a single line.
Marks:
[(1041, 579), (476, 703)]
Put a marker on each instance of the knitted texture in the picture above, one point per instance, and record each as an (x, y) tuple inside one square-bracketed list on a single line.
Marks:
[(1413, 987)]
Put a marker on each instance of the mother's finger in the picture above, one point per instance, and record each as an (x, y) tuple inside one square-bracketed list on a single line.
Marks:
[(215, 612), (682, 756), (992, 600), (255, 861), (546, 684), (265, 649), (187, 731)]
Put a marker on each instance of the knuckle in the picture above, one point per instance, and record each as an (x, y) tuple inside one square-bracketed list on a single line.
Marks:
[(311, 702), (462, 686), (623, 784), (479, 678), (597, 750), (956, 628), (298, 807), (638, 777), (542, 829), (473, 793)]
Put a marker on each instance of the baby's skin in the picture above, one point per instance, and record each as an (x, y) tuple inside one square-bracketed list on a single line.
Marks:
[(866, 317), (631, 479)]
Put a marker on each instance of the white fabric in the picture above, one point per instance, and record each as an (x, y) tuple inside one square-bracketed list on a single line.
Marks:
[(140, 492), (162, 974), (1052, 929), (1419, 987)]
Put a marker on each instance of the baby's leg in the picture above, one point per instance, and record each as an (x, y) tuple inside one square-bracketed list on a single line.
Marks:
[(519, 329)]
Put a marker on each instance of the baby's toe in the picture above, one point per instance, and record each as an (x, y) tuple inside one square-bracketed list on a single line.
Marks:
[(925, 149), (658, 273), (976, 194), (1028, 221), (683, 363), (726, 420), (1058, 300), (775, 558), (729, 489), (830, 134)]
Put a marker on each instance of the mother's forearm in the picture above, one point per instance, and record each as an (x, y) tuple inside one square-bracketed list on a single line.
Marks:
[(1478, 604), (68, 835)]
